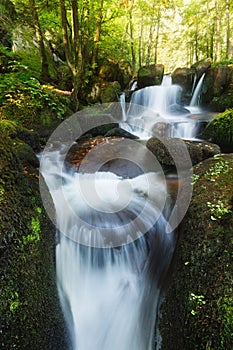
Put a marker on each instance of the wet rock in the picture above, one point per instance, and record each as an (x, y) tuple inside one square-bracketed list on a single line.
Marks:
[(198, 151), (197, 310), (121, 133), (184, 78), (202, 66), (26, 154), (150, 75), (30, 137)]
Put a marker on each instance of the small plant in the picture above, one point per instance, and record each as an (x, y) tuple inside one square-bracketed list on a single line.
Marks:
[(195, 178), (218, 210), (222, 166), (197, 301)]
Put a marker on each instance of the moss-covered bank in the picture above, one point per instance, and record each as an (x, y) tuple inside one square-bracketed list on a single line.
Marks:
[(30, 312), (197, 313)]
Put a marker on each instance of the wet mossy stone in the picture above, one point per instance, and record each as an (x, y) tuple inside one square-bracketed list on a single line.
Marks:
[(220, 131), (198, 151), (197, 312), (150, 75), (30, 312)]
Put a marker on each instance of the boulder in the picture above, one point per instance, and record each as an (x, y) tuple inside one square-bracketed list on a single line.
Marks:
[(118, 132), (196, 313), (184, 77), (217, 82), (198, 151), (110, 92), (220, 131), (150, 75), (201, 67)]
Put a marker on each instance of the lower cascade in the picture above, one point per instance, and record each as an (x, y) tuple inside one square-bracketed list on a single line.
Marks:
[(113, 254)]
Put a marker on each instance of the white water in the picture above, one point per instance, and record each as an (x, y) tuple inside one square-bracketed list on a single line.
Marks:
[(196, 94), (110, 296), (157, 110)]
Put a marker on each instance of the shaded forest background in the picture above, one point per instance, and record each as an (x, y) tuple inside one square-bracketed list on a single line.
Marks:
[(65, 43)]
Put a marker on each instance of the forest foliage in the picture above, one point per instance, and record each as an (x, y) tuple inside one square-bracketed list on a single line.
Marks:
[(66, 42)]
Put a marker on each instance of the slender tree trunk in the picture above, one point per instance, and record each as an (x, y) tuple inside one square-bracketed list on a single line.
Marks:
[(149, 47), (97, 34), (65, 34), (131, 34), (140, 44), (228, 30), (217, 33), (40, 40), (157, 39)]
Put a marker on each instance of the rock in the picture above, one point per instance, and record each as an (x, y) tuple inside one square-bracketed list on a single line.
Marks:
[(184, 78), (150, 75), (121, 133), (198, 151), (177, 109), (26, 154), (197, 308), (220, 131), (217, 81), (29, 136), (110, 92), (202, 66)]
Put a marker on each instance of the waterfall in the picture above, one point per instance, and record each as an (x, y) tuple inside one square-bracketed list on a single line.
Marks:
[(159, 98), (196, 94), (157, 110), (123, 107), (112, 256)]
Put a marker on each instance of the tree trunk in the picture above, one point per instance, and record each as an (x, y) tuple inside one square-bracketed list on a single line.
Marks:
[(217, 33), (228, 30), (157, 39), (97, 34), (40, 40)]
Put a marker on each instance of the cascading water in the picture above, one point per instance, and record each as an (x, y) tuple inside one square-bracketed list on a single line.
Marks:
[(196, 95), (112, 255), (165, 116)]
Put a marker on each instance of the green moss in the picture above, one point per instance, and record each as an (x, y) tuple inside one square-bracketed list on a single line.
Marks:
[(29, 303), (197, 312), (220, 130)]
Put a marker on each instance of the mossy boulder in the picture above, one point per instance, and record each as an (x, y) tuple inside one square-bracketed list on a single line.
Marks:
[(197, 312), (220, 131), (150, 75), (30, 311), (198, 151)]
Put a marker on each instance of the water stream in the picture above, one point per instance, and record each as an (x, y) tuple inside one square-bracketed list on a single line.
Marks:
[(113, 249), (163, 115), (112, 255)]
